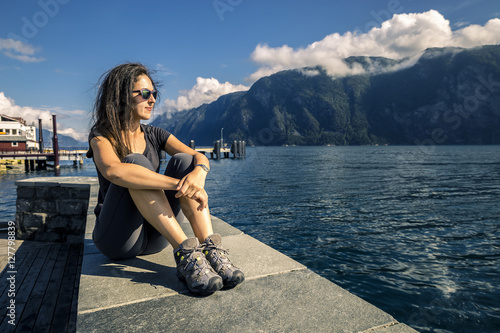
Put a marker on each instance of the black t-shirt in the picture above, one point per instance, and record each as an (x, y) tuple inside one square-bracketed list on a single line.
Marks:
[(156, 138)]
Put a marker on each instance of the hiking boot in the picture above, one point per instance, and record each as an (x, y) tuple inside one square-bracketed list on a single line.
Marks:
[(219, 259), (194, 269)]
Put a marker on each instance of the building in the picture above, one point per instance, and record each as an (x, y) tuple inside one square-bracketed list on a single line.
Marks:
[(16, 135)]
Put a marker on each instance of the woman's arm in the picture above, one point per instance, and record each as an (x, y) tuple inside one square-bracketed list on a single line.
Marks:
[(192, 185), (126, 174), (174, 146)]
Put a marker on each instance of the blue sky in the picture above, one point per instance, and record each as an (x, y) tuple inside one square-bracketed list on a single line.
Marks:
[(52, 52)]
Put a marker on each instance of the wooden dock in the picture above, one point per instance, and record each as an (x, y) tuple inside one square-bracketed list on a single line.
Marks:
[(210, 151), (41, 159), (238, 149), (64, 155), (43, 283)]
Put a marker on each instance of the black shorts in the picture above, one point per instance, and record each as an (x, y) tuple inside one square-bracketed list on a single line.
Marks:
[(120, 230)]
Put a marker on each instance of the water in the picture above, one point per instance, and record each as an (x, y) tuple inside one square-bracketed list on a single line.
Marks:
[(413, 231)]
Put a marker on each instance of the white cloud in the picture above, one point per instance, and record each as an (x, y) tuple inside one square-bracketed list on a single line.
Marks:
[(308, 72), (461, 24), (72, 133), (475, 35), (31, 115), (18, 50), (404, 35), (204, 91), (162, 70), (466, 4)]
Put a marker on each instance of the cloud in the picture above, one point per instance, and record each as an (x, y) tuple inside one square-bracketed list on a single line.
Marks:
[(18, 50), (308, 72), (72, 133), (162, 70), (31, 115), (461, 24), (404, 35), (204, 91), (476, 35), (466, 4)]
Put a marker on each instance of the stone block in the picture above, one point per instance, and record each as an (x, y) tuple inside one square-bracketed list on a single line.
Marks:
[(62, 232), (25, 192), (19, 220), (26, 233), (57, 221), (43, 205), (61, 193), (43, 193), (72, 207), (20, 229), (24, 205), (34, 220), (78, 223), (48, 236), (80, 193)]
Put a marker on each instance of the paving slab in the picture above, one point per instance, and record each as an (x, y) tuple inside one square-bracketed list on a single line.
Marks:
[(299, 301), (106, 283)]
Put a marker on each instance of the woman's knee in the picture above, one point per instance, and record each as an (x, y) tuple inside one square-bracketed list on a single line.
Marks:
[(138, 159), (180, 165)]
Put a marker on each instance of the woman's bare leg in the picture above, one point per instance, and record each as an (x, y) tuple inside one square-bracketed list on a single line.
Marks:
[(200, 220), (155, 208)]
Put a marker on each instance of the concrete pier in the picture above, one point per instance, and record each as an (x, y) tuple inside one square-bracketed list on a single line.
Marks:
[(278, 295)]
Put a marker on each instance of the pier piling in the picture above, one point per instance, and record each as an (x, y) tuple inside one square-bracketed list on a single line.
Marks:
[(238, 149), (40, 136), (55, 143), (217, 152), (217, 149)]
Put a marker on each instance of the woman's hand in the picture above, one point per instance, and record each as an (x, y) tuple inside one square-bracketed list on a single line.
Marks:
[(192, 186), (201, 198)]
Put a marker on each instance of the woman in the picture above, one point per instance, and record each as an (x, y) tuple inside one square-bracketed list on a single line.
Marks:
[(137, 206)]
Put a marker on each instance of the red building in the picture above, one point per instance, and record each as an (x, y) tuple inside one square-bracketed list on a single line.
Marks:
[(10, 143), (13, 134)]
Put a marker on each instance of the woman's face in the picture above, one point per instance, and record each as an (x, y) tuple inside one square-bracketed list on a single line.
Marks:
[(143, 107)]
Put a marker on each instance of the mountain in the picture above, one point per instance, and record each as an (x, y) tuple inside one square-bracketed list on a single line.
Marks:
[(448, 96), (65, 142)]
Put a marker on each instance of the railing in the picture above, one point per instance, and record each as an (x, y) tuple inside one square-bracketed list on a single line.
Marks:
[(23, 152), (45, 152)]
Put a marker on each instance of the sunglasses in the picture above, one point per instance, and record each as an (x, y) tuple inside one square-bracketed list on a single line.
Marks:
[(146, 93)]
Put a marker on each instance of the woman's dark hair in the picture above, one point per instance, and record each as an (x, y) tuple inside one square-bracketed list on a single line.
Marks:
[(114, 105)]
